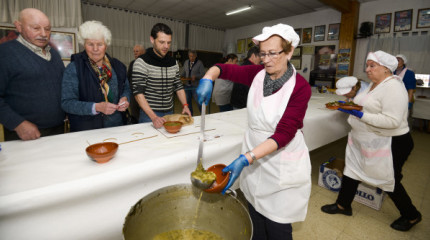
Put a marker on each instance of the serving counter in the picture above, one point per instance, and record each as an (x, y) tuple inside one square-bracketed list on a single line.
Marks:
[(50, 189)]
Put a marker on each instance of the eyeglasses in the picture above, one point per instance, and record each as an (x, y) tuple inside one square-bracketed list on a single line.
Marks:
[(271, 55)]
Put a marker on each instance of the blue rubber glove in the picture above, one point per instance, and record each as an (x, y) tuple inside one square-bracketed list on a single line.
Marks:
[(341, 101), (356, 113), (235, 168), (204, 91), (410, 106)]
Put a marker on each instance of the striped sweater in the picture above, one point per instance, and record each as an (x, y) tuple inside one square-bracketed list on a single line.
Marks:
[(157, 79)]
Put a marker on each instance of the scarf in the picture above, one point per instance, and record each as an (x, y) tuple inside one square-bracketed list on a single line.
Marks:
[(270, 86), (104, 74)]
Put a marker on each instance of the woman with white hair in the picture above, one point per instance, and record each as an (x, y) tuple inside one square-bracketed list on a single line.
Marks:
[(274, 169), (379, 142), (95, 90)]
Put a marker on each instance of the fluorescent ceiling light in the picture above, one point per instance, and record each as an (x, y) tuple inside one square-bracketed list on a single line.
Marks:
[(239, 10)]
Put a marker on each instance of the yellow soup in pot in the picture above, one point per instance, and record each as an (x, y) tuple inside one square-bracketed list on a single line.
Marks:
[(187, 234)]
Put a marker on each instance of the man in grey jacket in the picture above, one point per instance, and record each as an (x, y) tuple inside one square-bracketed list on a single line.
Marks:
[(192, 71)]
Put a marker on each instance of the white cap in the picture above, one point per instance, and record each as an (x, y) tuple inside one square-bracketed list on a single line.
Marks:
[(384, 59), (345, 85), (402, 57), (283, 30)]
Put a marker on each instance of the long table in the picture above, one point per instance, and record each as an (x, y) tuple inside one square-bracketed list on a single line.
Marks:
[(50, 189)]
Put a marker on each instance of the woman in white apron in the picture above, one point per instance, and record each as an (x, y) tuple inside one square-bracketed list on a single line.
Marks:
[(277, 186), (379, 142)]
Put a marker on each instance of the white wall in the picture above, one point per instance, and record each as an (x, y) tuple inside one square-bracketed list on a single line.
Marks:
[(368, 11)]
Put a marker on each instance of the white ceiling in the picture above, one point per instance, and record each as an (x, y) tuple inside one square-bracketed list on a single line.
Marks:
[(212, 12)]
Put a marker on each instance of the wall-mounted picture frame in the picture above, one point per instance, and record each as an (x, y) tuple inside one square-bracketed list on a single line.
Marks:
[(299, 32), (8, 33), (241, 45), (297, 51), (333, 31), (307, 35), (403, 20), (308, 50), (423, 18), (297, 63), (64, 43), (249, 44), (383, 23), (319, 33)]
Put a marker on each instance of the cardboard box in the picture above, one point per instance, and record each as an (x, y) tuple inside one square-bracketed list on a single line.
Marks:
[(330, 177)]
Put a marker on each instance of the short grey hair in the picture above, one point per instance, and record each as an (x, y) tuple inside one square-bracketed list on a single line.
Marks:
[(94, 30)]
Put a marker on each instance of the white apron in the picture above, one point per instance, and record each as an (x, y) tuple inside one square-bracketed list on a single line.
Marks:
[(278, 185), (368, 156)]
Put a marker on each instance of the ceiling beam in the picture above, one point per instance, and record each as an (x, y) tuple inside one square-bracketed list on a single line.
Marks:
[(342, 6)]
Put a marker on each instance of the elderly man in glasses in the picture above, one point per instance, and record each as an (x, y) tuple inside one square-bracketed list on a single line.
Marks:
[(275, 164)]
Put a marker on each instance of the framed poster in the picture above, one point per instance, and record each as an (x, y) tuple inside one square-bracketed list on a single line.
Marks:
[(307, 35), (297, 52), (299, 32), (308, 50), (423, 18), (403, 20), (383, 23), (297, 63), (333, 31), (64, 43), (8, 33), (249, 44), (319, 34), (241, 46)]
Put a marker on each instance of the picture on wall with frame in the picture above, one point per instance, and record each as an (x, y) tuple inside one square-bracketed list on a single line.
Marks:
[(423, 18), (307, 35), (297, 62), (333, 31), (64, 43), (403, 20), (319, 33), (8, 33), (383, 23), (297, 51), (249, 44), (308, 50), (241, 46)]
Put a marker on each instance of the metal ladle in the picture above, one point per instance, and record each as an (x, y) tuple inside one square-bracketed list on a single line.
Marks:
[(197, 182)]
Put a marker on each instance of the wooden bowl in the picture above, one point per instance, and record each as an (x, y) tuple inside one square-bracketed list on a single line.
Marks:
[(221, 178), (102, 152), (172, 126)]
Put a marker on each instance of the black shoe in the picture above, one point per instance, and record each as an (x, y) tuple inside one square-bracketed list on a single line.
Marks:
[(403, 224), (334, 209)]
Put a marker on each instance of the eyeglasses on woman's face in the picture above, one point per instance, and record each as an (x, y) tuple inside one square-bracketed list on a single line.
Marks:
[(271, 55)]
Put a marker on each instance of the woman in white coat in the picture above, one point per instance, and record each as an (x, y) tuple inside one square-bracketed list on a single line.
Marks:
[(277, 179), (379, 142)]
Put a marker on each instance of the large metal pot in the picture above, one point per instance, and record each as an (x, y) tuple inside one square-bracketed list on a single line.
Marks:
[(183, 207)]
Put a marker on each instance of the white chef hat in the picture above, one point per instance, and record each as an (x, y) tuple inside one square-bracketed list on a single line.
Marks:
[(402, 57), (345, 85), (283, 30), (384, 59)]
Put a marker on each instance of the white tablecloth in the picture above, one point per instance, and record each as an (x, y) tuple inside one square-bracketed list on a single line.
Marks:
[(50, 189)]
